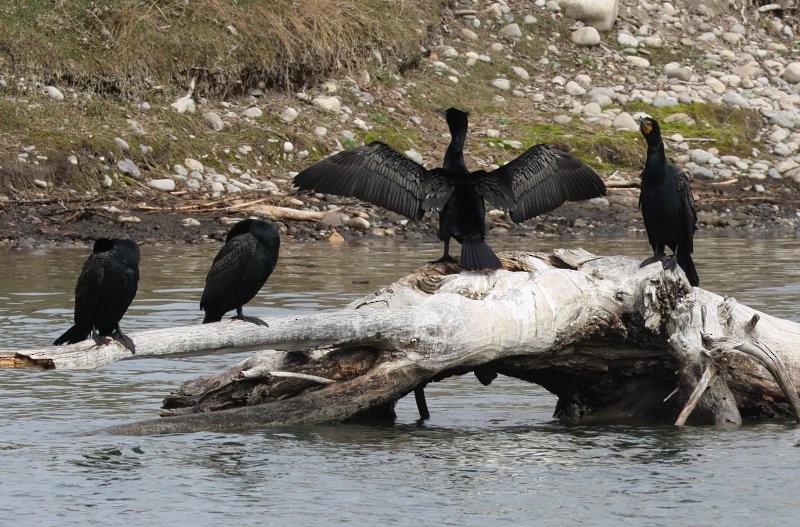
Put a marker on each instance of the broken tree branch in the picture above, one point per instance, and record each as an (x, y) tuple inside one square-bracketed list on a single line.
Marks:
[(694, 399)]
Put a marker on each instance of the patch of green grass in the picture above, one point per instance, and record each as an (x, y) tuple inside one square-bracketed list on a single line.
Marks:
[(706, 64), (473, 92), (86, 128), (379, 118), (732, 130), (349, 143), (11, 118), (552, 25), (659, 57), (602, 148), (394, 134)]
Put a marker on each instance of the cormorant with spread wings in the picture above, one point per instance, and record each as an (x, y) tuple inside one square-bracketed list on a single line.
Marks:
[(538, 181)]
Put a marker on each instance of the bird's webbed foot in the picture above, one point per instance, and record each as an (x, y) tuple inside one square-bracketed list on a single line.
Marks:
[(99, 339), (446, 258), (253, 320), (671, 263), (125, 340), (653, 259)]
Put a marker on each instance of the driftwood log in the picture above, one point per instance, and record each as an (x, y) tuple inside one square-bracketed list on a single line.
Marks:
[(614, 338)]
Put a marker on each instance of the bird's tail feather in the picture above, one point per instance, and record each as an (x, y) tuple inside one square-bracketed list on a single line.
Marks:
[(211, 317), (72, 336), (476, 254), (687, 264)]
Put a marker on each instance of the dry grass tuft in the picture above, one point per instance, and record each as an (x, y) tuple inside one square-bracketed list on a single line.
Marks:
[(126, 46), (19, 176)]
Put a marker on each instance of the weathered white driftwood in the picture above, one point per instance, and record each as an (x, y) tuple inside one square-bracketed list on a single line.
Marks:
[(611, 338)]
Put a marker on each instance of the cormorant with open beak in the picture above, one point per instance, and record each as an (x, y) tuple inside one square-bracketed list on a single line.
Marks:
[(667, 204)]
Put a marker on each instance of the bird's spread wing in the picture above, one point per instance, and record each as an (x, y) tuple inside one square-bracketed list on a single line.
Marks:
[(496, 190), (438, 187), (228, 267), (544, 177), (375, 173)]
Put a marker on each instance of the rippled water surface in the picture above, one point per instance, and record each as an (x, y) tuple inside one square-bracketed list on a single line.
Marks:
[(488, 456)]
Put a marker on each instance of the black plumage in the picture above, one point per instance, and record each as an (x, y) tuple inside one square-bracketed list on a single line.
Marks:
[(538, 181), (667, 204), (240, 269), (105, 289)]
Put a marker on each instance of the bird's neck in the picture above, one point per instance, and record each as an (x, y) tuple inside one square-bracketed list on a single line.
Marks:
[(454, 156), (656, 163)]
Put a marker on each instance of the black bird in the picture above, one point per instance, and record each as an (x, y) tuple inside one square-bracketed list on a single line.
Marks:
[(105, 289), (240, 269), (538, 181), (667, 204)]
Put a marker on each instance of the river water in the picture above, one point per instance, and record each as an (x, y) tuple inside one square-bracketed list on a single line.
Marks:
[(488, 455)]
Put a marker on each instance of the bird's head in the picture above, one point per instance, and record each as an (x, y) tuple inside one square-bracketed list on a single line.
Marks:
[(457, 123), (452, 113), (455, 118), (239, 228), (650, 129), (102, 245), (125, 249)]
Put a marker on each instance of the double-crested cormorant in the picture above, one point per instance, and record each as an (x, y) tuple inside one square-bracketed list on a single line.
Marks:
[(240, 269), (105, 289), (667, 203), (538, 181)]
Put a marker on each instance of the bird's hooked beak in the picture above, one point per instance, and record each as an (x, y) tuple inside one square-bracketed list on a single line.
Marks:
[(646, 126)]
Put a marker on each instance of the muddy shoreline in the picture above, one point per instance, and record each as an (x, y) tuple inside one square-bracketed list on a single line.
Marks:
[(70, 221)]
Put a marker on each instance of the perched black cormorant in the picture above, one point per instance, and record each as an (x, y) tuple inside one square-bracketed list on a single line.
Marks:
[(105, 289), (667, 203), (240, 269), (538, 181)]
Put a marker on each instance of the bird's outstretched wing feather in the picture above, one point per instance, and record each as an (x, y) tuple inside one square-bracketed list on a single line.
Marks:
[(543, 178), (438, 187), (375, 173), (496, 190)]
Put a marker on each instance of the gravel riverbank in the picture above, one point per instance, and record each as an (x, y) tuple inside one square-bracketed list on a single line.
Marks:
[(723, 81)]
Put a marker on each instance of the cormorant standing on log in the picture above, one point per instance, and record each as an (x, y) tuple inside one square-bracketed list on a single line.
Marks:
[(105, 289), (538, 181), (240, 269), (667, 204)]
